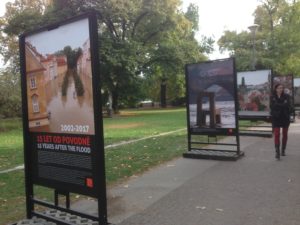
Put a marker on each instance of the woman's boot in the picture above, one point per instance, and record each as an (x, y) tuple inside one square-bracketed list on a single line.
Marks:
[(277, 152), (283, 149)]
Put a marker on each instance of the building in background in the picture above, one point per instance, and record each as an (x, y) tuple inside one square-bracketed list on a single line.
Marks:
[(36, 94)]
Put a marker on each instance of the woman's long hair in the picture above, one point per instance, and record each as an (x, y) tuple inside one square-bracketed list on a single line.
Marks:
[(275, 87)]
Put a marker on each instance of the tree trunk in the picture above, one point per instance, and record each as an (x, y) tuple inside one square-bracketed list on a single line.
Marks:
[(109, 107), (115, 98), (163, 93)]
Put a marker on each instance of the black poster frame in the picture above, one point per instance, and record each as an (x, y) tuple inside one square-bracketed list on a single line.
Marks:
[(297, 106), (257, 130), (217, 150), (98, 190)]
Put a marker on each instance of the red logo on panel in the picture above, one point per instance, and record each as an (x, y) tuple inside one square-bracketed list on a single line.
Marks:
[(89, 182)]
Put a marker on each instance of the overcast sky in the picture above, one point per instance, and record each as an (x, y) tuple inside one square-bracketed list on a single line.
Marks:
[(49, 42), (215, 16), (253, 77)]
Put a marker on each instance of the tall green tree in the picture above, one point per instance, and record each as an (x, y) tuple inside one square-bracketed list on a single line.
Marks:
[(277, 39), (136, 37), (20, 15), (141, 38), (178, 48)]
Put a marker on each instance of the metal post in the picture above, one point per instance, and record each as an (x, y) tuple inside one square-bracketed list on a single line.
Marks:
[(253, 29)]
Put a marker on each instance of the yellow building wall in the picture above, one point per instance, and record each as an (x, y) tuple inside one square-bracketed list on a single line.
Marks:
[(34, 69)]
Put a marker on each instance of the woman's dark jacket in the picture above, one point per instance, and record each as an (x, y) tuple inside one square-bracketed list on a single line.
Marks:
[(280, 110)]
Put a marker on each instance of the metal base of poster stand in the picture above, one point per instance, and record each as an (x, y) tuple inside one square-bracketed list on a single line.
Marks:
[(63, 215), (256, 133), (222, 149), (255, 129), (213, 154), (53, 217), (55, 213)]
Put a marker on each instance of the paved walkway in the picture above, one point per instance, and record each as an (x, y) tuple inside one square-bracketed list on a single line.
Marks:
[(255, 190)]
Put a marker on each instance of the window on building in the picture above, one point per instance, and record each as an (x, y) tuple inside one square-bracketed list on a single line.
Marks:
[(52, 72), (35, 104), (32, 82)]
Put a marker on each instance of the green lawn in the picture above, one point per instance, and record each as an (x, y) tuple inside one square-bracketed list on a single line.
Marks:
[(136, 124), (11, 143), (129, 125)]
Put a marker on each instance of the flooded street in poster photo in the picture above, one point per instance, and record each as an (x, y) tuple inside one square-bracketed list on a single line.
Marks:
[(226, 110), (70, 113)]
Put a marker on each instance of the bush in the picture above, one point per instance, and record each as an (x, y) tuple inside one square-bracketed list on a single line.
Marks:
[(178, 101)]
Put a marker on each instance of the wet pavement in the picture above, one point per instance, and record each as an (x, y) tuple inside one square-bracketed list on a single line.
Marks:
[(67, 113)]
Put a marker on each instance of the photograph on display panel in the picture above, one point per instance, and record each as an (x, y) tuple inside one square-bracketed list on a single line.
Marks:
[(254, 89), (287, 81), (297, 92), (59, 80), (211, 95)]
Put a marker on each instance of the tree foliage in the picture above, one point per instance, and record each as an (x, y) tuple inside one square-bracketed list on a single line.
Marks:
[(20, 16), (140, 41), (276, 42), (10, 97)]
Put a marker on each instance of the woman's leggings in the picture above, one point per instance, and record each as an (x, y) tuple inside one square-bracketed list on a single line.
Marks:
[(277, 135)]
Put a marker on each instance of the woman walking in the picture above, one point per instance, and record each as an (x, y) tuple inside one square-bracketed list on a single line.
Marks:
[(280, 112)]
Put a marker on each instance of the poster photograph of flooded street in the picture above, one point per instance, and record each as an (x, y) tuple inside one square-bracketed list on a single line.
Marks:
[(254, 90), (59, 80), (211, 93)]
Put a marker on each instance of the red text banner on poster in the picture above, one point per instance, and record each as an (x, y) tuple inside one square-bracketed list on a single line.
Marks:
[(80, 144), (63, 159)]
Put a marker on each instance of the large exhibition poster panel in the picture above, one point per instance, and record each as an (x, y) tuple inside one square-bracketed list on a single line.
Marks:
[(212, 96), (297, 92), (254, 89), (60, 106)]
